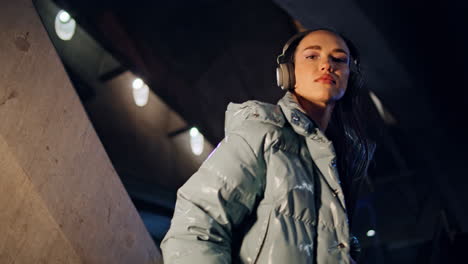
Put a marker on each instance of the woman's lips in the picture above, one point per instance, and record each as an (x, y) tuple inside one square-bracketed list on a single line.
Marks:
[(326, 78), (326, 81)]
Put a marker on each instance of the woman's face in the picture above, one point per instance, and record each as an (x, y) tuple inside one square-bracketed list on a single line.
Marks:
[(321, 52)]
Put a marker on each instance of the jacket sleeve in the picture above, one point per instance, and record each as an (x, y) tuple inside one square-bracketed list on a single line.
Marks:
[(213, 201)]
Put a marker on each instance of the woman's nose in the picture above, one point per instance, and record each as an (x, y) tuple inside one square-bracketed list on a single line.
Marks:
[(326, 65)]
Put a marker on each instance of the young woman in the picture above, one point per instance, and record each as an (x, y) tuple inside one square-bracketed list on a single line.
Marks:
[(273, 191)]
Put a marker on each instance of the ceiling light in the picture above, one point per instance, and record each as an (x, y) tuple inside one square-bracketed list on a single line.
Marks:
[(65, 25), (194, 132), (64, 17), (196, 141), (140, 96), (140, 92), (137, 83), (370, 233)]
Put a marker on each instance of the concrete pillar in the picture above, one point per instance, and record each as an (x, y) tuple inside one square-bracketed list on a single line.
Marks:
[(60, 198)]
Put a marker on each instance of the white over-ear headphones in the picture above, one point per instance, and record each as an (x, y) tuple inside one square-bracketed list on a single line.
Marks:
[(285, 78)]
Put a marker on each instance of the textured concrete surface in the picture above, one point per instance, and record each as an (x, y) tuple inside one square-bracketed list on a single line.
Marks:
[(60, 198)]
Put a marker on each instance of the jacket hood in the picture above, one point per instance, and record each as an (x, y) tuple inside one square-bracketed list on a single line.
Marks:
[(236, 114)]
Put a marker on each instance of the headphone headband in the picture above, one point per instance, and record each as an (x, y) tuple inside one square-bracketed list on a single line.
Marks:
[(297, 36)]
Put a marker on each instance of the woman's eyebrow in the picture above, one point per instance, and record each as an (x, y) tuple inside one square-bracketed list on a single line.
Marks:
[(317, 47)]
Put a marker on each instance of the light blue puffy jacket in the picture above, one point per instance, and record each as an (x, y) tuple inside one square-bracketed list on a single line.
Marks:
[(268, 193)]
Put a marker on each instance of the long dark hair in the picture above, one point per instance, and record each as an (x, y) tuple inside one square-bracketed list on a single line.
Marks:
[(354, 150)]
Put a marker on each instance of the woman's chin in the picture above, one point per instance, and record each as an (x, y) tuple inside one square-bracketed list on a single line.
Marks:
[(322, 98)]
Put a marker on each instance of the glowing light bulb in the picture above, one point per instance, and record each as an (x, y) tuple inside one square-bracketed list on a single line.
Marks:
[(194, 132), (141, 95), (64, 16), (371, 233), (137, 83), (196, 141), (65, 25)]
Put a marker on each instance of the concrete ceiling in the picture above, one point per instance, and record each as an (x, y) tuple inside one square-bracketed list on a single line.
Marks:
[(198, 56)]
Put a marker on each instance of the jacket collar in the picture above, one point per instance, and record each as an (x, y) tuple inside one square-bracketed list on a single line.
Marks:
[(297, 117)]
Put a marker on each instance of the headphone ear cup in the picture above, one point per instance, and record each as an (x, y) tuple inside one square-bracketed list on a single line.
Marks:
[(279, 76), (285, 76), (291, 76)]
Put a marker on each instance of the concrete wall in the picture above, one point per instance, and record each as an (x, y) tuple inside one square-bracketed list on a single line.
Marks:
[(60, 198)]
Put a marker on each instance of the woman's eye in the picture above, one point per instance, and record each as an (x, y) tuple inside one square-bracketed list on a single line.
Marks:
[(312, 56), (341, 60)]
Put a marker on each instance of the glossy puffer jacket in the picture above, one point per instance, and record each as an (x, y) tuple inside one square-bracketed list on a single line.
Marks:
[(268, 193)]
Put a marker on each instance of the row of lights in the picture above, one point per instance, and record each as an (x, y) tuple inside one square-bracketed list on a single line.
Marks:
[(65, 27), (140, 96)]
